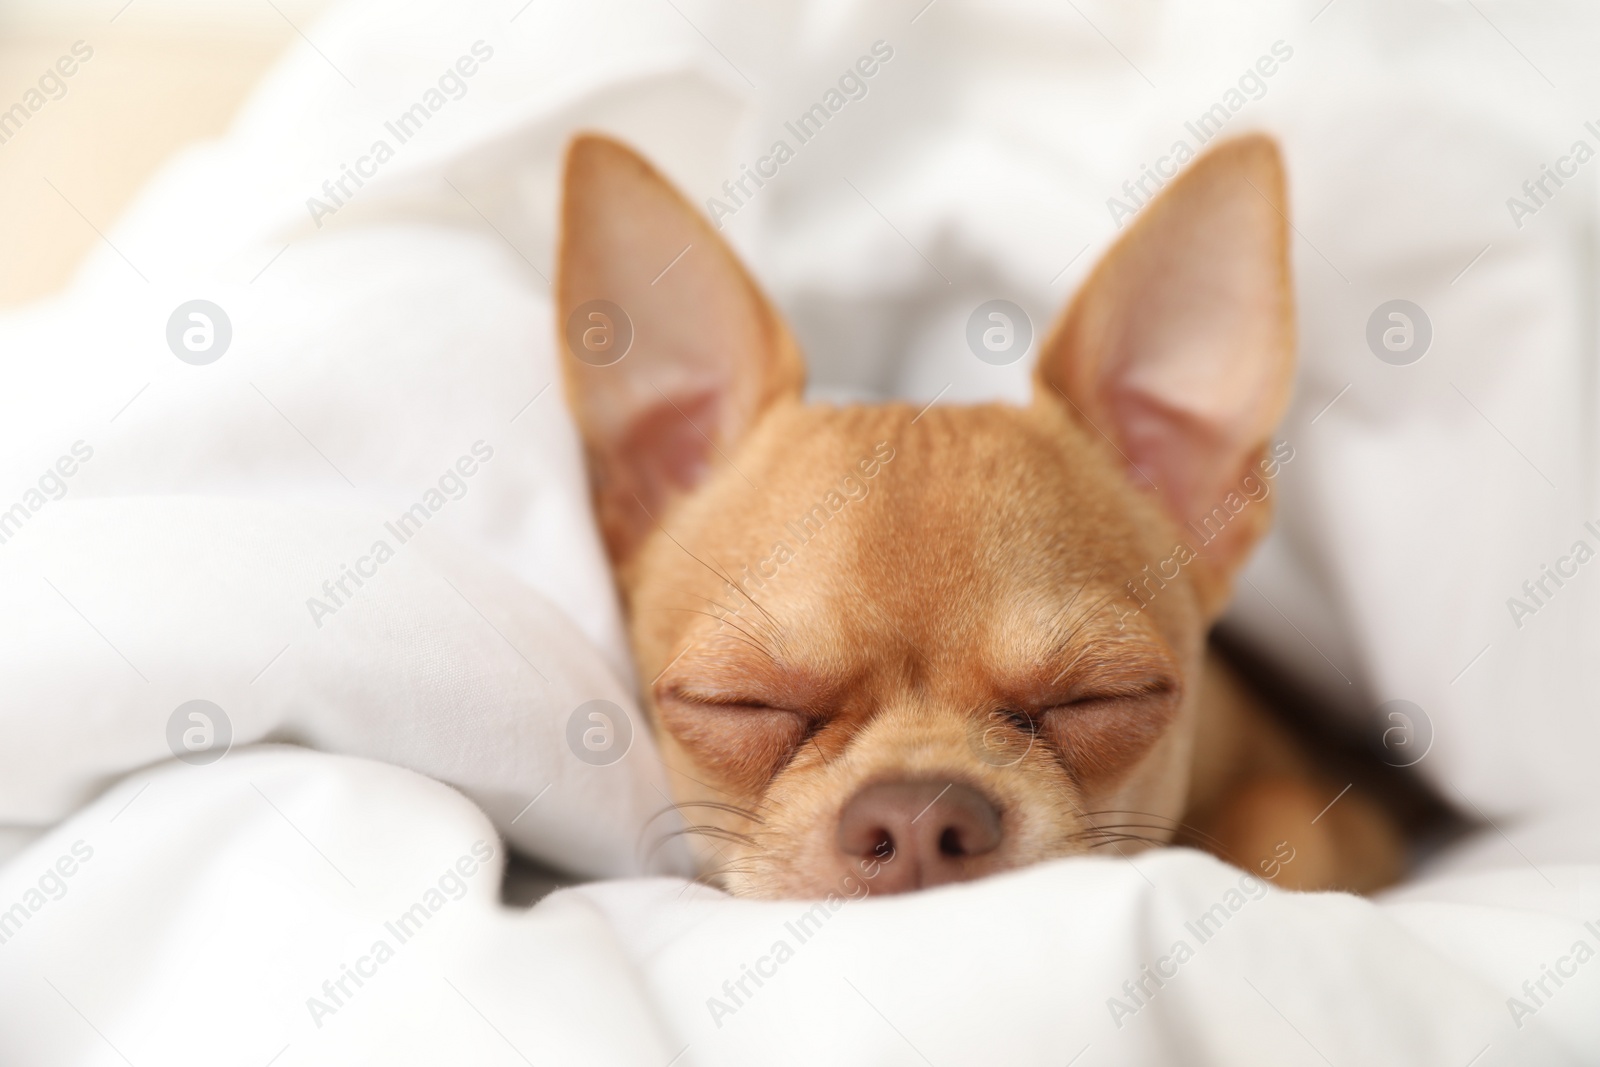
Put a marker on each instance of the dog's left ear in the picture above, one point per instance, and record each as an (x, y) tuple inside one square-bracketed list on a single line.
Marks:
[(664, 390), (1179, 349)]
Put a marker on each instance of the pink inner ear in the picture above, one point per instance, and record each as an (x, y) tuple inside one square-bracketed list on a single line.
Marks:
[(667, 449), (1182, 454), (1179, 347)]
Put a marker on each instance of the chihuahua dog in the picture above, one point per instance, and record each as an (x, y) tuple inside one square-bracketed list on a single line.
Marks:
[(933, 644)]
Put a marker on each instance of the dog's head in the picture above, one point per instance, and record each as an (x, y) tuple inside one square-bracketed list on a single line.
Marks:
[(896, 647)]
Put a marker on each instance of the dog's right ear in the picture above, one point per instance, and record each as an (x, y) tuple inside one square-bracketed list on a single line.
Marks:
[(670, 352)]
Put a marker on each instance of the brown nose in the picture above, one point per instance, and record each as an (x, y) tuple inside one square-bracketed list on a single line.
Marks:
[(918, 833)]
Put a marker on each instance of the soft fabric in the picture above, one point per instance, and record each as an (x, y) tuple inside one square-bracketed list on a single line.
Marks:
[(440, 661), (300, 870), (210, 539)]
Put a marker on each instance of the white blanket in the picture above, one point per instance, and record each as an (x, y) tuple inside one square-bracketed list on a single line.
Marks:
[(219, 913), (197, 546)]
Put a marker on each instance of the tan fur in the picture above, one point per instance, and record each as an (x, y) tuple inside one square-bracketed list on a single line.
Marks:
[(950, 613)]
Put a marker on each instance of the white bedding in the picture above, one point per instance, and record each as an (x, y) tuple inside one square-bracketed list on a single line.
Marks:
[(214, 908), (371, 355)]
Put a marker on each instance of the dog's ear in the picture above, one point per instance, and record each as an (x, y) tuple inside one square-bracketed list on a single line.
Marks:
[(1179, 348), (670, 352)]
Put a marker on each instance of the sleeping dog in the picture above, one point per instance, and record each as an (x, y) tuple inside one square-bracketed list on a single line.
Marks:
[(935, 643)]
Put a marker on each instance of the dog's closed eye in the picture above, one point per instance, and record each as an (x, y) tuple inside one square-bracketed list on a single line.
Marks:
[(744, 738), (1103, 731), (1018, 718)]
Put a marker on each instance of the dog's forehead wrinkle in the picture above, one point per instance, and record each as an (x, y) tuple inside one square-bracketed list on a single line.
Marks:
[(1069, 633), (982, 546)]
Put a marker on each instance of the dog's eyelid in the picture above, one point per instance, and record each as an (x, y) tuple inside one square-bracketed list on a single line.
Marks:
[(723, 701), (1098, 693), (1021, 718)]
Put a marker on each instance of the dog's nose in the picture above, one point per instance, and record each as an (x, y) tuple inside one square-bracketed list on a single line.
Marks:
[(920, 833)]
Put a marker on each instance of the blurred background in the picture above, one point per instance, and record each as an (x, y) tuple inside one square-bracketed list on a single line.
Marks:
[(165, 73)]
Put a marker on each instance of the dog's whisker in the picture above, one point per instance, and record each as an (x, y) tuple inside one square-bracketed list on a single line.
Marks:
[(1131, 811), (750, 639), (728, 621), (1118, 839), (683, 774), (1177, 827), (649, 853), (1115, 828), (717, 805), (721, 575), (1123, 826), (1088, 616), (1164, 821), (713, 601), (1122, 841), (771, 619), (1073, 599), (718, 832), (1125, 830)]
